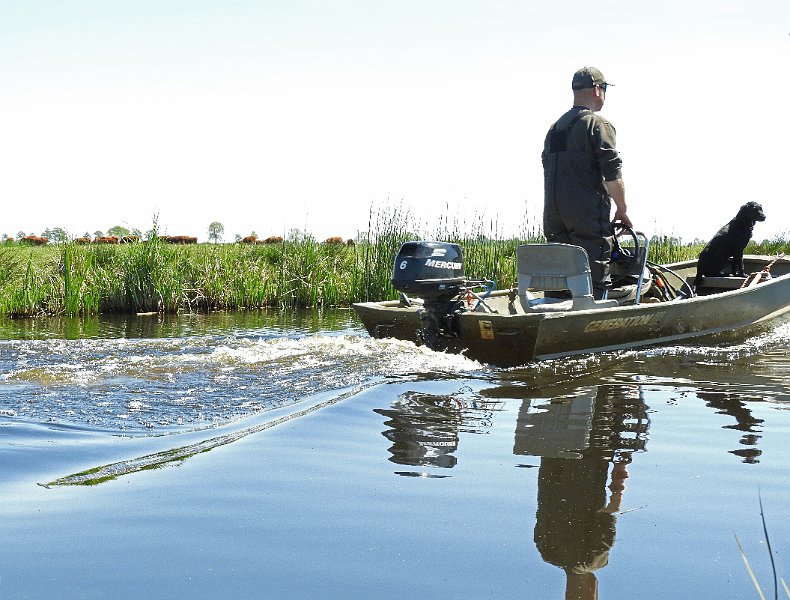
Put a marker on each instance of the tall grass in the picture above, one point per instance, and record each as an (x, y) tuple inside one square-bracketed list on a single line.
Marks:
[(375, 254), (29, 292), (154, 276)]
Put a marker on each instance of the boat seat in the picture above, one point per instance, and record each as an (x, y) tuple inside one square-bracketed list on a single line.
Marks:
[(723, 283), (554, 268)]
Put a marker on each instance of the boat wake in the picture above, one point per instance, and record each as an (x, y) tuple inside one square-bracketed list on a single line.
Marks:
[(154, 386), (174, 385), (720, 360), (241, 386)]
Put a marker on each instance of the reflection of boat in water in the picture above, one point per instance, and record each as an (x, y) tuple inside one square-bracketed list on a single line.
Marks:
[(424, 428), (653, 304), (731, 404), (578, 438), (586, 439), (608, 420)]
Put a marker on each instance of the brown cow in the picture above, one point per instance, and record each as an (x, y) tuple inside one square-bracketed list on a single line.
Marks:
[(250, 239), (180, 239), (106, 239), (35, 240), (82, 240), (274, 239), (338, 241)]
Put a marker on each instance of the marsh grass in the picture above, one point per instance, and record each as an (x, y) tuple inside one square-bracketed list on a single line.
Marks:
[(776, 580), (30, 290), (154, 276)]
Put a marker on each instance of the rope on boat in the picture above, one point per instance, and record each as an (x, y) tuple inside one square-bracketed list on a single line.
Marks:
[(760, 276)]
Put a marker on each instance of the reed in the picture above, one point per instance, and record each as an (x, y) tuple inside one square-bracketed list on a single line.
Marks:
[(775, 578), (71, 279), (31, 290)]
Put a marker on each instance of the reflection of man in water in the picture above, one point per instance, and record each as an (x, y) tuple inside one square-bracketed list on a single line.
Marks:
[(577, 439), (575, 526)]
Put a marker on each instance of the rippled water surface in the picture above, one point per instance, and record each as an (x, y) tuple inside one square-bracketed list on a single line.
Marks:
[(291, 456)]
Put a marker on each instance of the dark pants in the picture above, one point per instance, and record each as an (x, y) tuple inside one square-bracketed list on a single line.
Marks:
[(584, 224)]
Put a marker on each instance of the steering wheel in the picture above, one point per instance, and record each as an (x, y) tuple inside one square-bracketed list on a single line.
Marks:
[(625, 258)]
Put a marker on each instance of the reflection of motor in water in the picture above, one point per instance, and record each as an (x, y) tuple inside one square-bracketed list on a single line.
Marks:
[(424, 428), (577, 438)]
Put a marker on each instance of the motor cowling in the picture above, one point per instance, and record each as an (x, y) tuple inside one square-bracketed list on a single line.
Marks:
[(429, 270), (433, 271)]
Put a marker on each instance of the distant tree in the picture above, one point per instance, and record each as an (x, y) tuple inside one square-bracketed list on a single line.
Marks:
[(137, 232), (97, 233), (56, 234), (237, 237), (215, 232), (20, 235), (118, 231), (297, 235)]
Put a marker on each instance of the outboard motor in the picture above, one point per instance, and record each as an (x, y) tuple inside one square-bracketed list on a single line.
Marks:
[(434, 272)]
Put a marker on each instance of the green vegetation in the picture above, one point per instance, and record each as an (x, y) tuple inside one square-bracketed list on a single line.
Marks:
[(154, 276)]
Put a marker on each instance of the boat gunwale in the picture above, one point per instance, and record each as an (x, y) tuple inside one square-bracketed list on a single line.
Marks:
[(760, 287)]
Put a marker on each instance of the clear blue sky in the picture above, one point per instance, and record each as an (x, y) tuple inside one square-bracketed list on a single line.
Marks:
[(268, 116)]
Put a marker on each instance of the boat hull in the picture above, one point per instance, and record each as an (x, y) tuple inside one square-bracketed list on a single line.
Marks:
[(508, 337)]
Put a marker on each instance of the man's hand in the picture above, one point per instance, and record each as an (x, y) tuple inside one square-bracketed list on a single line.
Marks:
[(623, 218)]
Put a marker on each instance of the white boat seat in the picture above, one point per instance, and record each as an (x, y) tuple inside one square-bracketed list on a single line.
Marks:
[(556, 267)]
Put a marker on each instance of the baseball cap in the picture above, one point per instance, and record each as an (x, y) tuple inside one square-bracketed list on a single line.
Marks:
[(588, 77)]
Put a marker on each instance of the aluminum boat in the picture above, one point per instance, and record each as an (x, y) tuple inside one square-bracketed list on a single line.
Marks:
[(552, 312)]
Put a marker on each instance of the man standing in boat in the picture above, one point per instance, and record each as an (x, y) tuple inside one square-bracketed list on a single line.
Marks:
[(582, 176)]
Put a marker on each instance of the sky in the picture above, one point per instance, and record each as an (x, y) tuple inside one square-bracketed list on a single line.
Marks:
[(312, 114)]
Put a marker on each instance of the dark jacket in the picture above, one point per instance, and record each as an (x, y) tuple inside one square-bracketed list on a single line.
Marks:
[(579, 153)]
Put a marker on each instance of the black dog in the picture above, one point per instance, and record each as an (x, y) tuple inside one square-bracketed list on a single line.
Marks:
[(727, 246)]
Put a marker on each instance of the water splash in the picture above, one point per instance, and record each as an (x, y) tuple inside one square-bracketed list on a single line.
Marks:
[(161, 385)]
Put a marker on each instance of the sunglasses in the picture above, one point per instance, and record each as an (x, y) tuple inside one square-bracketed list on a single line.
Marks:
[(603, 86)]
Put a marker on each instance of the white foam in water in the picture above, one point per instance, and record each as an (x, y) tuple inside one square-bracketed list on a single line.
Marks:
[(775, 338), (390, 355), (199, 381)]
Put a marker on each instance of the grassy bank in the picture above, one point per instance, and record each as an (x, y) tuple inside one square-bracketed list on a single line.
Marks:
[(74, 279)]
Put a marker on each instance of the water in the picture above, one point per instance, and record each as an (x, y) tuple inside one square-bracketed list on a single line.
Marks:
[(291, 456)]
